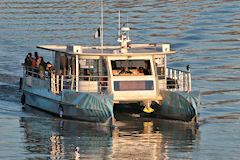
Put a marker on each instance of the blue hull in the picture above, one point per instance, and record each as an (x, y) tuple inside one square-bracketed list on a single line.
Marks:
[(92, 107), (177, 105)]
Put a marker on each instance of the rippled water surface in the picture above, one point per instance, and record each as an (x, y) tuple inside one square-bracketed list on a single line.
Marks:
[(204, 32)]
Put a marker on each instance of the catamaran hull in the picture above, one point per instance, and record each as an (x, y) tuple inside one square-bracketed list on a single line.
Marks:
[(174, 105), (72, 105), (178, 106)]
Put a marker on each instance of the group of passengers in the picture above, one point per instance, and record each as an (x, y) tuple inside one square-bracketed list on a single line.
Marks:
[(140, 70), (37, 67)]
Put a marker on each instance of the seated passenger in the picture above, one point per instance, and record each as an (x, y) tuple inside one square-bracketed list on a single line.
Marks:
[(146, 71), (125, 71), (87, 74), (139, 69)]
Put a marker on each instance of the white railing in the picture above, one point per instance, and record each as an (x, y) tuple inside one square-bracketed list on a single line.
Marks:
[(59, 82), (173, 80), (176, 80), (84, 83)]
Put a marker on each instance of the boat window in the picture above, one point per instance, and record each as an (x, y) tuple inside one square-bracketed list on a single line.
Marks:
[(89, 69), (161, 72), (131, 67), (160, 67)]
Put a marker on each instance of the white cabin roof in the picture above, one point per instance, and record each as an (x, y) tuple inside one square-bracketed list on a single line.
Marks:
[(133, 50)]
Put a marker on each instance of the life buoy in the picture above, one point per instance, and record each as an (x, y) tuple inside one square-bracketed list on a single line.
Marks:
[(23, 99), (60, 110)]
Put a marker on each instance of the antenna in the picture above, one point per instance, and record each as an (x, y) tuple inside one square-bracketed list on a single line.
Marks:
[(128, 27), (119, 34)]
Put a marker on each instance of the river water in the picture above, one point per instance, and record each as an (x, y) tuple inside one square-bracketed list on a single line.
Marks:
[(204, 32)]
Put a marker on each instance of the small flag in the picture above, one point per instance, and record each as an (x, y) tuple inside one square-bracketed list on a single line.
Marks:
[(97, 34)]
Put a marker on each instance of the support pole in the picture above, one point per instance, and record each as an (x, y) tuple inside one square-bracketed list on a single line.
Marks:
[(57, 84), (186, 81), (73, 77), (170, 74), (77, 72), (190, 81), (180, 80), (175, 79), (166, 73), (62, 79), (51, 80)]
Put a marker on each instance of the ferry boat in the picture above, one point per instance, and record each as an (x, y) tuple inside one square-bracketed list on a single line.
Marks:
[(90, 81)]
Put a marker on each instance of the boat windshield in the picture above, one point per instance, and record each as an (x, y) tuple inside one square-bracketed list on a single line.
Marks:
[(131, 67)]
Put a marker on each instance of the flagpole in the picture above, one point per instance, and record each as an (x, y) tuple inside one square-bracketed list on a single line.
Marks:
[(101, 33), (101, 41)]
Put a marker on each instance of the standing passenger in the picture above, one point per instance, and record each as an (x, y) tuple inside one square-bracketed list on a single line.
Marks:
[(28, 59), (34, 64), (28, 63), (36, 55), (42, 66), (50, 69)]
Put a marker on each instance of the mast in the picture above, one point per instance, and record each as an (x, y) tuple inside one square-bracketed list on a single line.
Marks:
[(100, 68), (119, 32), (101, 28), (124, 38)]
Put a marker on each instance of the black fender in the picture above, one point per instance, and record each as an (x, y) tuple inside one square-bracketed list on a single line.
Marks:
[(60, 110), (23, 99)]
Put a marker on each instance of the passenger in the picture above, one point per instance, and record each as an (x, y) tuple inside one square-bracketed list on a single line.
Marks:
[(34, 64), (42, 66), (87, 74), (139, 69), (36, 55), (146, 69), (125, 70), (50, 69), (28, 60), (34, 60), (38, 61), (28, 63)]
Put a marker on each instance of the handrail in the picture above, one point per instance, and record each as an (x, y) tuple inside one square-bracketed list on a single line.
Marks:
[(176, 80), (177, 69), (60, 82), (29, 71)]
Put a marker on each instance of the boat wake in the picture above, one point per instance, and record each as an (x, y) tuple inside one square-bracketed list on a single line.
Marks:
[(9, 92)]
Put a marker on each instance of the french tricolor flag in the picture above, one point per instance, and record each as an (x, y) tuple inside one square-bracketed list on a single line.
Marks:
[(97, 34)]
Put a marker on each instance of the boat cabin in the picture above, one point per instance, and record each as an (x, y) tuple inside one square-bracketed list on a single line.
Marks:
[(141, 72)]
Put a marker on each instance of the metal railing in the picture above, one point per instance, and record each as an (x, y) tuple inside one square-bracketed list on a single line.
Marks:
[(35, 72), (83, 83), (176, 80), (59, 82), (172, 79)]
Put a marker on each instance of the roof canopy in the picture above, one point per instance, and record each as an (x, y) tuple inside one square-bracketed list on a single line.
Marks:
[(133, 50)]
